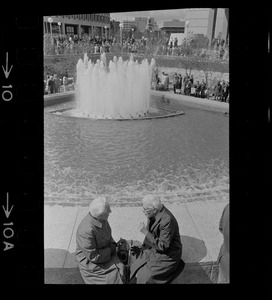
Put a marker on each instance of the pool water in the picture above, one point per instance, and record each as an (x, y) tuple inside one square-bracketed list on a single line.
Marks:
[(183, 158)]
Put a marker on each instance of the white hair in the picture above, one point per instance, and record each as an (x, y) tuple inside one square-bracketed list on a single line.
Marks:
[(98, 206), (152, 201)]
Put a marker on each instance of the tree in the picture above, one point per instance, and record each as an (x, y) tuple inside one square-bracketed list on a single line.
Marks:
[(48, 45)]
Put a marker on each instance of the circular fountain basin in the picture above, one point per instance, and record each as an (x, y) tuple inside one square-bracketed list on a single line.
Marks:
[(153, 113), (182, 159)]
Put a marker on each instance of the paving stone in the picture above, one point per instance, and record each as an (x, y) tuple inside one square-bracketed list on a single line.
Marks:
[(58, 227)]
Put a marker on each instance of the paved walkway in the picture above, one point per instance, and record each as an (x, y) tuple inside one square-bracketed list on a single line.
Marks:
[(198, 223)]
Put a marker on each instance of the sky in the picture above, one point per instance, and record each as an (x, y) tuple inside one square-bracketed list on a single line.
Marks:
[(158, 15)]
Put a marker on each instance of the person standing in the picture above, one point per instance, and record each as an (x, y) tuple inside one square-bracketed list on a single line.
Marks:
[(187, 88), (223, 85), (225, 92), (65, 83), (176, 42), (51, 85), (179, 84), (158, 259), (175, 82), (96, 250), (185, 80), (192, 79), (197, 89), (57, 83), (223, 256), (217, 90), (166, 84), (203, 89)]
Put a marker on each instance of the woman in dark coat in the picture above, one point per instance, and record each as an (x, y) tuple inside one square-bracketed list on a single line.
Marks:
[(96, 249), (179, 85), (51, 85), (160, 255), (203, 89), (217, 90)]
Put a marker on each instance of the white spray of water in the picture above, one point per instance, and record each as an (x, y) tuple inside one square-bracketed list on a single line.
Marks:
[(120, 90)]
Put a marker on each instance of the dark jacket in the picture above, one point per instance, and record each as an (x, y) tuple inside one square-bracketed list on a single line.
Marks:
[(163, 250)]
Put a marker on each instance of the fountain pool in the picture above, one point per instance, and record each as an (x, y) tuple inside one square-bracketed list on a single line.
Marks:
[(183, 159)]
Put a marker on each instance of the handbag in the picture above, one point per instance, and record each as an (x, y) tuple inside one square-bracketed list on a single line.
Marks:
[(123, 251)]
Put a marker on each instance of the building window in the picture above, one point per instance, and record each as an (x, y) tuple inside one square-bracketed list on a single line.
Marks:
[(70, 30)]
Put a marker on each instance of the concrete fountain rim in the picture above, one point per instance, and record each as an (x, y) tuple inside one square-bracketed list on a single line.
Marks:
[(165, 113)]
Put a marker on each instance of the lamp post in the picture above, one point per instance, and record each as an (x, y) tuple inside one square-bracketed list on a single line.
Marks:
[(105, 32), (59, 27), (50, 20), (121, 25), (186, 28)]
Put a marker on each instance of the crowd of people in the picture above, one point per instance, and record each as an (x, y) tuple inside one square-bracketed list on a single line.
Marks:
[(53, 83), (65, 44), (70, 44), (187, 86), (156, 260)]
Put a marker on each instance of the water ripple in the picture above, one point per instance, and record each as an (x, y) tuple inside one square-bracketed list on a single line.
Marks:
[(183, 158)]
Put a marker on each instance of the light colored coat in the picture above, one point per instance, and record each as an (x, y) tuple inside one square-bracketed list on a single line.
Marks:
[(223, 257), (162, 253), (96, 263)]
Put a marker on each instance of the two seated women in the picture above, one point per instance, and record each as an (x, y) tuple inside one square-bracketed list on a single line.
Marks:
[(156, 260)]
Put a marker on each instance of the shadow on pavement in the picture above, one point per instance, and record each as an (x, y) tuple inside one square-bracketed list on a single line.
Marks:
[(193, 251), (62, 276), (61, 268)]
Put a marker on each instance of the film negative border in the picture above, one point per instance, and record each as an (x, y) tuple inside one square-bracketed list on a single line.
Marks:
[(22, 155)]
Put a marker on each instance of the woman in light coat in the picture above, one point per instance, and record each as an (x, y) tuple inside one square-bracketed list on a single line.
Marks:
[(96, 249)]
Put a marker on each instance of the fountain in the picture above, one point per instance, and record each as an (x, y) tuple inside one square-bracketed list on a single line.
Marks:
[(120, 91), (117, 91), (93, 154)]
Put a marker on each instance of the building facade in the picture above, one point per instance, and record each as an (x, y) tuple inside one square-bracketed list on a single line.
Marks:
[(145, 23), (174, 26), (91, 24), (128, 25), (211, 22)]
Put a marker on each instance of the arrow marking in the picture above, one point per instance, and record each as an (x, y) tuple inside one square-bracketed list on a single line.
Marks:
[(7, 71), (6, 210)]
